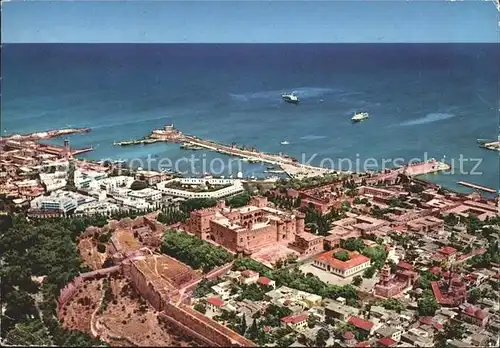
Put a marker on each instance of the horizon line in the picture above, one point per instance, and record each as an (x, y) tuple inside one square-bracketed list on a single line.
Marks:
[(248, 43)]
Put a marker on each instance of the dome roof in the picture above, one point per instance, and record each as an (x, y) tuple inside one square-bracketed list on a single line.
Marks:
[(348, 335), (480, 314)]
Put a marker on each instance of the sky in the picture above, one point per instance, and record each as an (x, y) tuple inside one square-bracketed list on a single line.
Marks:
[(249, 21)]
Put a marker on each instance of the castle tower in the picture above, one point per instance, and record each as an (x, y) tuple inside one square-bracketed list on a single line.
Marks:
[(299, 222), (67, 149), (385, 274)]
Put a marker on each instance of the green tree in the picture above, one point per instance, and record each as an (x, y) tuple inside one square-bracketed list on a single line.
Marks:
[(377, 255), (239, 200), (70, 183), (341, 255), (357, 280), (193, 251), (311, 321), (474, 295), (369, 272), (353, 244), (450, 331), (393, 304), (243, 325), (138, 185), (201, 307), (321, 337), (427, 306)]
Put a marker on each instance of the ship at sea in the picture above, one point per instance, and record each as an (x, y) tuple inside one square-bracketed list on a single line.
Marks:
[(284, 142), (360, 116), (290, 98)]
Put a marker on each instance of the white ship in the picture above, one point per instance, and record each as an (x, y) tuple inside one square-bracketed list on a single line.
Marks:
[(284, 142), (290, 98), (360, 116)]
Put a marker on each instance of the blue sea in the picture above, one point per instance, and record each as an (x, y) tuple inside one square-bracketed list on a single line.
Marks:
[(424, 100)]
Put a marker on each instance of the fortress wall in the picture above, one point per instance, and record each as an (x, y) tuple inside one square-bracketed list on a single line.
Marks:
[(204, 326), (72, 287), (186, 330)]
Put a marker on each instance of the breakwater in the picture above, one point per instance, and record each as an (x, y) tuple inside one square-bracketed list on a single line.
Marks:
[(44, 134)]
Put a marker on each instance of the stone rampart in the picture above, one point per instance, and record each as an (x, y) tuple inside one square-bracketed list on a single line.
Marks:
[(71, 288), (204, 326)]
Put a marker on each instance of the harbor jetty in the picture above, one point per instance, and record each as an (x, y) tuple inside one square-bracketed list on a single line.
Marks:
[(168, 134), (44, 134), (281, 161), (491, 145), (476, 187)]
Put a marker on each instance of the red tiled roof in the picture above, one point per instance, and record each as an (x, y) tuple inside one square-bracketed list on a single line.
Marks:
[(448, 250), (264, 280), (365, 344), (387, 342), (215, 301), (360, 323), (405, 265), (426, 320), (248, 273), (329, 258), (348, 335), (439, 296), (435, 270), (481, 314), (294, 319), (475, 312)]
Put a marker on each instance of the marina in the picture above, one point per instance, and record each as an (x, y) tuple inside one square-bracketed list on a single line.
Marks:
[(277, 163)]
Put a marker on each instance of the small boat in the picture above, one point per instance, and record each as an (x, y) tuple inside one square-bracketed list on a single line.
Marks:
[(284, 142), (360, 116), (290, 98)]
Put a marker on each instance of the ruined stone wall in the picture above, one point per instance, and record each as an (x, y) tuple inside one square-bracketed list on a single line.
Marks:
[(145, 288), (71, 288), (205, 327), (186, 330)]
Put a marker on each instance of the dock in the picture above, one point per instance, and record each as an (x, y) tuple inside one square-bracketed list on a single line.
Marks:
[(288, 165), (137, 142), (493, 145), (280, 161), (477, 187)]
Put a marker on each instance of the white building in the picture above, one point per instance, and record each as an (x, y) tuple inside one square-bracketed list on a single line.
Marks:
[(98, 195), (235, 188), (120, 192), (204, 181), (109, 184), (89, 179), (134, 203), (62, 201), (328, 262), (147, 194), (104, 208)]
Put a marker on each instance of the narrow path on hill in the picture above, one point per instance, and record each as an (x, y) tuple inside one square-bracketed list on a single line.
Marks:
[(93, 330)]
